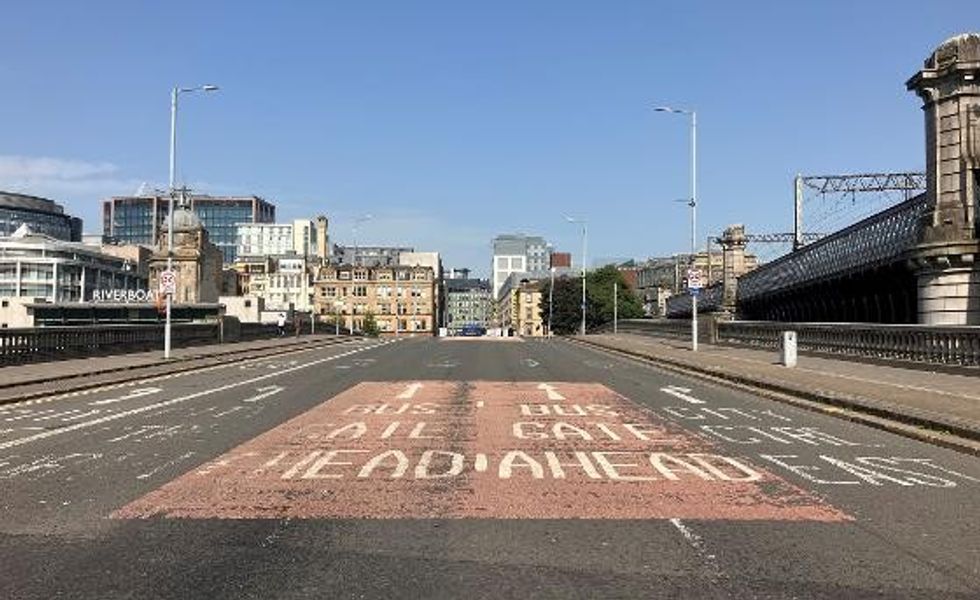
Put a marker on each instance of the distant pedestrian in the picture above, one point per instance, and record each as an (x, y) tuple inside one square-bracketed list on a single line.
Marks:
[(297, 324), (281, 324)]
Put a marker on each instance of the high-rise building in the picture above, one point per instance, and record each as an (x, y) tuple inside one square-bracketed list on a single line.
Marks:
[(518, 253), (140, 219), (41, 216)]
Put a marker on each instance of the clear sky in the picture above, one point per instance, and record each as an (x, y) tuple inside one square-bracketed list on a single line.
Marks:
[(453, 121)]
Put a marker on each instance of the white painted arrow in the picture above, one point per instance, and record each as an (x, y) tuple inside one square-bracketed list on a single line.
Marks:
[(409, 391), (530, 362), (133, 394), (552, 392), (264, 392), (682, 393)]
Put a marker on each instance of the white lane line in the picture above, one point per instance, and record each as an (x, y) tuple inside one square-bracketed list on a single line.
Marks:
[(552, 392), (409, 391), (169, 463), (681, 392), (697, 543), (137, 393), (265, 392), (153, 378), (178, 400)]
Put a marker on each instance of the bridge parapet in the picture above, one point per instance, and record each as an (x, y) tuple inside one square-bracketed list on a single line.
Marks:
[(916, 343)]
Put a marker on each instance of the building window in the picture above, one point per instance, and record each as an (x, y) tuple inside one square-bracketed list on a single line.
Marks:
[(360, 291)]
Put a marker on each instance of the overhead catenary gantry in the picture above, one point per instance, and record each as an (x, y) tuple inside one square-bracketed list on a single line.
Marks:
[(909, 183)]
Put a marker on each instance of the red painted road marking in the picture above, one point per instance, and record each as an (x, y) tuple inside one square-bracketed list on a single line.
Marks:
[(369, 453)]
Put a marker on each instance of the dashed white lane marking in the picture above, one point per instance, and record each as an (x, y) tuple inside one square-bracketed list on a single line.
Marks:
[(169, 463), (697, 543), (265, 392), (163, 377), (178, 400), (681, 392), (133, 394)]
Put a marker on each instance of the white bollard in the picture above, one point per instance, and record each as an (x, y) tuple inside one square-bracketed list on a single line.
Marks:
[(788, 358)]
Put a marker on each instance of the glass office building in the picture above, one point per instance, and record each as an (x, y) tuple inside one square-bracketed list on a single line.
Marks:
[(140, 219), (39, 214)]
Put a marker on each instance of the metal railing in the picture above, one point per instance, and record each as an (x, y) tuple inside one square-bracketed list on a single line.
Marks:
[(946, 345), (38, 344)]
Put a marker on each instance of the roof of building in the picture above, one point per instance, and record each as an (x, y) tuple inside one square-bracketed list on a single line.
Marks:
[(32, 203)]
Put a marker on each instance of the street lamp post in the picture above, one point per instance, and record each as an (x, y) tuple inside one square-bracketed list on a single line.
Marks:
[(551, 300), (174, 95), (615, 307), (694, 209), (585, 238)]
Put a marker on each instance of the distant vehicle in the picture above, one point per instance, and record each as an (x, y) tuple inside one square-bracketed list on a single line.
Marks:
[(472, 331)]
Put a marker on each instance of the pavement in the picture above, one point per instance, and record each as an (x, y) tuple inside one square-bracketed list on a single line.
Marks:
[(938, 406), (423, 468)]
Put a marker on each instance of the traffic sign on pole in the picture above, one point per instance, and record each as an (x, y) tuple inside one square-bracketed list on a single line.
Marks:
[(168, 283), (695, 279)]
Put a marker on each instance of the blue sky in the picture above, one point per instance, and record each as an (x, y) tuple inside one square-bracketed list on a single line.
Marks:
[(451, 122)]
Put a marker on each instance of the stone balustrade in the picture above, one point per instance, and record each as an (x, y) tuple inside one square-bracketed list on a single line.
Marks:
[(950, 345), (945, 345)]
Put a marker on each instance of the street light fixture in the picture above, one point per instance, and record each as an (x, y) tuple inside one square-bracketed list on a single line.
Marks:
[(585, 237), (693, 203), (174, 95)]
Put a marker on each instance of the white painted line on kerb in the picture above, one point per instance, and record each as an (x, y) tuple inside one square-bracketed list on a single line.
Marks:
[(681, 392), (158, 405)]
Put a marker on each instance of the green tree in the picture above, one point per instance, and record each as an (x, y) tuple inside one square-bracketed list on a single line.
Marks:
[(600, 289), (567, 315), (371, 328)]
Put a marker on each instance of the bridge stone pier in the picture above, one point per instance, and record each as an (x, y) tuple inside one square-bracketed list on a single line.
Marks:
[(917, 262), (947, 260)]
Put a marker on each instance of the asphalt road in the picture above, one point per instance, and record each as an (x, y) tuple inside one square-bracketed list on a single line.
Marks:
[(470, 468)]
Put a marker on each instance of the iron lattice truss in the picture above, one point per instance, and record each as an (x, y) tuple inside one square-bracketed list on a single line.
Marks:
[(866, 182), (777, 238)]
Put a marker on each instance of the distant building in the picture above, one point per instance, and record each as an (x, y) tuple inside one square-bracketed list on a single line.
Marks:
[(401, 298), (656, 279), (368, 256), (300, 237), (35, 267), (141, 219), (278, 261), (196, 261), (467, 302), (519, 306), (518, 253), (42, 216)]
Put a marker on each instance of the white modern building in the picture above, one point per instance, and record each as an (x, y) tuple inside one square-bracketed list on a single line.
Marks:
[(288, 287), (35, 265), (301, 237), (518, 253)]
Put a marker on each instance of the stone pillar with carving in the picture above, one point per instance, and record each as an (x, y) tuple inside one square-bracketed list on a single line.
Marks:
[(946, 260), (732, 244)]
